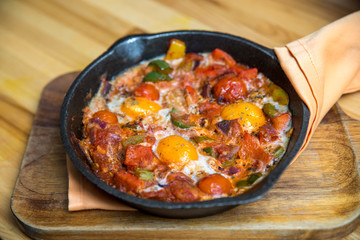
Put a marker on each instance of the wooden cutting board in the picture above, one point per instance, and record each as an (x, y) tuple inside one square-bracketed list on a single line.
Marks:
[(318, 196)]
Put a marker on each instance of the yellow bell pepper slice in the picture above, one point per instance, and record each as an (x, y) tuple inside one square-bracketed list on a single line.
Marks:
[(176, 50)]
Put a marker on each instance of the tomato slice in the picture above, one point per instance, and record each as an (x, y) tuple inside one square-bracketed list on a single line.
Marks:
[(210, 109), (106, 116), (281, 122), (215, 184), (128, 182), (251, 148), (183, 191), (244, 72), (191, 96), (221, 55), (139, 156), (210, 72), (147, 90), (229, 89)]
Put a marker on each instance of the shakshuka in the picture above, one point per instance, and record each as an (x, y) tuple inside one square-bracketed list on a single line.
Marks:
[(186, 127)]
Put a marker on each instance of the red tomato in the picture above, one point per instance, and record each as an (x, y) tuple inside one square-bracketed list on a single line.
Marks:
[(215, 184), (281, 122), (106, 116), (218, 54), (102, 167), (210, 109), (210, 72), (105, 138), (190, 95), (267, 134), (244, 72), (127, 182), (139, 156), (249, 73), (147, 90), (252, 149), (229, 89), (183, 191)]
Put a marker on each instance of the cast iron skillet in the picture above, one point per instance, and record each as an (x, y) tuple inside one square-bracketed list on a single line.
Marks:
[(129, 51)]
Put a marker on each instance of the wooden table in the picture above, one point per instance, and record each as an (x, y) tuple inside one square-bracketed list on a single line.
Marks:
[(42, 39)]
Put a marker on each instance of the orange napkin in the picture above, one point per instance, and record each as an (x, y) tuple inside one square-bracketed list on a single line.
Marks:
[(85, 195), (324, 65), (321, 66)]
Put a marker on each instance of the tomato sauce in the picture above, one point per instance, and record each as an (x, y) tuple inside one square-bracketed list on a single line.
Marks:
[(186, 127)]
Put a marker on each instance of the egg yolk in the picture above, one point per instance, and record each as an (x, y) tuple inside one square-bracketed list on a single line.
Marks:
[(139, 107), (176, 151), (250, 116), (106, 116), (215, 184)]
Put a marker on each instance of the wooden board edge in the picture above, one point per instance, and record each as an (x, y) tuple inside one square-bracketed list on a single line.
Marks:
[(39, 232)]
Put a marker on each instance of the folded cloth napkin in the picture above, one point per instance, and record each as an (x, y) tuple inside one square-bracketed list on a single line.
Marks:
[(324, 65), (321, 66), (84, 195)]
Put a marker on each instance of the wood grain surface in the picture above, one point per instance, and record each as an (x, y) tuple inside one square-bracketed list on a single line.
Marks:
[(42, 39), (318, 197)]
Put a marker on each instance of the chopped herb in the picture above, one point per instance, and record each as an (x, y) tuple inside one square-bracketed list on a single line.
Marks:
[(199, 139), (160, 66), (278, 152), (249, 181), (161, 70), (156, 77), (242, 183), (209, 151), (178, 121), (270, 110), (144, 174), (134, 140), (227, 163), (253, 178), (288, 133), (278, 94)]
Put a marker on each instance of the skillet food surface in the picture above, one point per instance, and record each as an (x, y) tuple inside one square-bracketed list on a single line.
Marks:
[(186, 127)]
